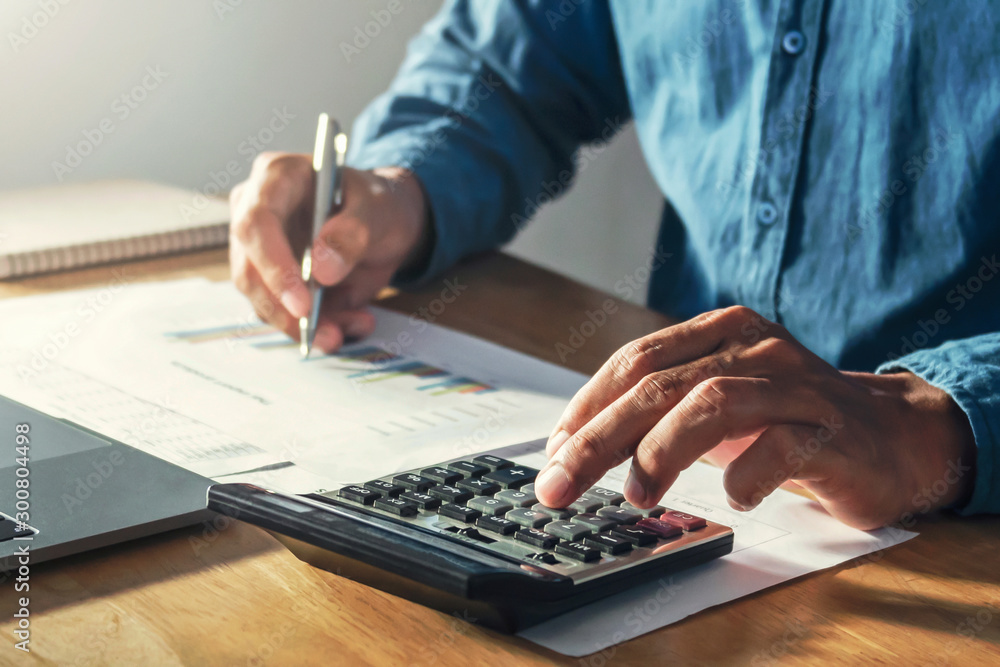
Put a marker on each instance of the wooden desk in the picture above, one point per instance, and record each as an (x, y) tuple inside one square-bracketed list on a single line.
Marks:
[(235, 596)]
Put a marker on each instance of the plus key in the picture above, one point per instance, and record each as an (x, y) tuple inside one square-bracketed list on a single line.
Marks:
[(512, 478)]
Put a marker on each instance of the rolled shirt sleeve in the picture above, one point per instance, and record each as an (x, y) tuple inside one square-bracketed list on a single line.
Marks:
[(969, 371), (488, 109)]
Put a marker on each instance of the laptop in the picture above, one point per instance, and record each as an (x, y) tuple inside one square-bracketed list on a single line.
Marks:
[(65, 489)]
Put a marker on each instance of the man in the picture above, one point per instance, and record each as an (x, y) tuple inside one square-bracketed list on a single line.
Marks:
[(829, 166)]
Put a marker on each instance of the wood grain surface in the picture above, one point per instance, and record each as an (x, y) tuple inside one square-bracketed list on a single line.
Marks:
[(229, 594)]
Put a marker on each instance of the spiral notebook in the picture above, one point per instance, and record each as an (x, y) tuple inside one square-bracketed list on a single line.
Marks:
[(73, 226)]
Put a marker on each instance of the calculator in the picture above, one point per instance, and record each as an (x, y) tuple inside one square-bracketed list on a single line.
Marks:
[(468, 536)]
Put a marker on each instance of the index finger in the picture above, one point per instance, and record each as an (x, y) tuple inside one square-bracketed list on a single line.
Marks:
[(663, 349), (275, 191)]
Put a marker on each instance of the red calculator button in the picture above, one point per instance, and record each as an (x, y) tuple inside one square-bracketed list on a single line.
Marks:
[(661, 529), (685, 521)]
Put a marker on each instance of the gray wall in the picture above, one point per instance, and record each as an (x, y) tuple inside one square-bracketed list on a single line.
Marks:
[(175, 91)]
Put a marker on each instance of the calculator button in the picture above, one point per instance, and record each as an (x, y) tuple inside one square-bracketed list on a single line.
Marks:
[(396, 506), (571, 532), (685, 521), (604, 496), (450, 494), (518, 498), (585, 505), (478, 486), (441, 475), (490, 506), (543, 557), (492, 462), (578, 551), (497, 524), (619, 514), (637, 536), (359, 494), (459, 512), (512, 478), (424, 501), (660, 528), (528, 518), (597, 524), (608, 543), (654, 511), (537, 538), (528, 488), (468, 468), (412, 482), (384, 488), (554, 512)]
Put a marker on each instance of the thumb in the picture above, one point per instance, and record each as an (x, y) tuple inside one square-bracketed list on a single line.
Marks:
[(342, 242), (340, 246)]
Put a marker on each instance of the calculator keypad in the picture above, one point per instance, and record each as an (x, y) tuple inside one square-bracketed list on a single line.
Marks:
[(489, 502)]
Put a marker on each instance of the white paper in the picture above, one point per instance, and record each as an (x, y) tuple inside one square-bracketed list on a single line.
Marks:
[(184, 371), (283, 477), (786, 537)]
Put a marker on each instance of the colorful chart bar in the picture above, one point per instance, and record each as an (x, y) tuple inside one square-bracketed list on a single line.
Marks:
[(456, 385), (372, 355), (413, 368), (209, 334)]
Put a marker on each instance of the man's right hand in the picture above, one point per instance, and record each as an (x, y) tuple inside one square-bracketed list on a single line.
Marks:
[(381, 227)]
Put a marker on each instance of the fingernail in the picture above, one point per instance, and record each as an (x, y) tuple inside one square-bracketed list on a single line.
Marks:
[(736, 506), (296, 300), (556, 441), (634, 491), (334, 267), (553, 482)]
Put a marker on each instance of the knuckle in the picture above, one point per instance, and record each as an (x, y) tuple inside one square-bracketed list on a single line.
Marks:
[(735, 316), (721, 362), (247, 228), (775, 348), (708, 399), (652, 455), (740, 313), (726, 321), (636, 358), (585, 448), (265, 159), (292, 166), (654, 391), (242, 229)]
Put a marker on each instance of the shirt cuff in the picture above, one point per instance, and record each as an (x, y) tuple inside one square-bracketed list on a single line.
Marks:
[(973, 388)]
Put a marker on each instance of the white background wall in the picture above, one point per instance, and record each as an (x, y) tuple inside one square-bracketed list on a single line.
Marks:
[(225, 66)]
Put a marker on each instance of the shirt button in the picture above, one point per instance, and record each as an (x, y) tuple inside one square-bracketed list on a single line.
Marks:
[(767, 213), (793, 42)]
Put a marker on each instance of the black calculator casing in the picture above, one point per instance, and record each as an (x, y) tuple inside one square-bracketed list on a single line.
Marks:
[(419, 565)]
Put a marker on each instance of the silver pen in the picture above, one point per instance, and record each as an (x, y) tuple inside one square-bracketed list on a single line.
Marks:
[(328, 165)]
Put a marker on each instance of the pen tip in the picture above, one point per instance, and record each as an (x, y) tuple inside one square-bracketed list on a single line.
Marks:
[(305, 340)]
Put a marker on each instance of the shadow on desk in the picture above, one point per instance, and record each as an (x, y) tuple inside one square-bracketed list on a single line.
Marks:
[(145, 561)]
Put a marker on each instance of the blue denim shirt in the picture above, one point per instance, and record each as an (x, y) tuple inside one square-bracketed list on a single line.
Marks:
[(833, 165)]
